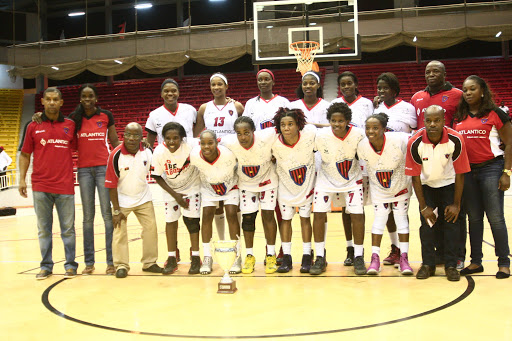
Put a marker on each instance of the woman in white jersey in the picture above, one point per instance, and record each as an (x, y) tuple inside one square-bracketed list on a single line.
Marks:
[(361, 108), (217, 171), (310, 100), (295, 161), (257, 183), (181, 183), (390, 189), (339, 176), (170, 111)]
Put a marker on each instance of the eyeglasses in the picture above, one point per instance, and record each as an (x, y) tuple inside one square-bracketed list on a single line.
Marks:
[(131, 136)]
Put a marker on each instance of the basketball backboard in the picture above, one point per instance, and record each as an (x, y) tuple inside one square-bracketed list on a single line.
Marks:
[(332, 24)]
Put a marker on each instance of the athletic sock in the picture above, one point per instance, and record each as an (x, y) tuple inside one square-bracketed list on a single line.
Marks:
[(376, 249), (350, 243), (249, 251), (271, 250), (358, 250), (306, 248), (320, 249), (171, 253), (394, 238), (220, 224), (404, 247), (195, 253), (287, 248), (206, 250)]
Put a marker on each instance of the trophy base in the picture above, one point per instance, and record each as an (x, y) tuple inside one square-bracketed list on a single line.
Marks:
[(227, 288)]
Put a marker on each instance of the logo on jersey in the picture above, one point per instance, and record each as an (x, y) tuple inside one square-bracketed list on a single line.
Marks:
[(219, 188), (231, 112), (176, 207), (298, 175), (99, 124), (484, 120), (326, 198), (250, 171), (66, 130), (447, 155), (253, 198), (343, 168), (267, 124), (43, 142), (384, 178), (444, 98)]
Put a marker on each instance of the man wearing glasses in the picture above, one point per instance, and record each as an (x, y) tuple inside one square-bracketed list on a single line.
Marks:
[(127, 168)]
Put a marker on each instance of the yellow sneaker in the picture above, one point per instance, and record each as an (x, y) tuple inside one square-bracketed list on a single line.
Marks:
[(271, 265), (250, 261)]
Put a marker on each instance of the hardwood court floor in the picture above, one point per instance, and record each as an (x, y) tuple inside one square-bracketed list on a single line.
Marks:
[(337, 305)]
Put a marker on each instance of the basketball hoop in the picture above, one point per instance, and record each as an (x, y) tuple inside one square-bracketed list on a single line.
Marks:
[(305, 52)]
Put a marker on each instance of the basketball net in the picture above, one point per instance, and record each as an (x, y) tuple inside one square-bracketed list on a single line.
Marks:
[(305, 52)]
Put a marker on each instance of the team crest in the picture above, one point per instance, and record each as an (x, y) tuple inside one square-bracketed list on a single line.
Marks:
[(267, 124), (484, 120), (253, 198), (298, 175), (145, 162), (99, 124), (343, 168), (250, 171), (220, 188), (384, 178), (66, 130), (444, 98), (230, 112), (447, 155), (176, 207), (326, 198)]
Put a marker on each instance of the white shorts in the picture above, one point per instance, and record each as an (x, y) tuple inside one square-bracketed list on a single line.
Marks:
[(340, 201), (173, 210), (230, 198), (251, 201), (322, 201), (287, 212), (399, 208)]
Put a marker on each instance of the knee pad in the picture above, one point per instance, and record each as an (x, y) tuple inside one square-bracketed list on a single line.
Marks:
[(249, 222), (379, 224), (402, 224), (192, 224)]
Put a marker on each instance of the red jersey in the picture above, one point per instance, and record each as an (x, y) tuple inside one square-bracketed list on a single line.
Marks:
[(481, 135), (52, 144), (448, 98), (93, 149)]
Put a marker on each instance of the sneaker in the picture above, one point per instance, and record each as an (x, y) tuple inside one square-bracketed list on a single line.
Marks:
[(177, 257), (121, 273), (111, 270), (460, 265), (374, 268), (206, 267), (350, 256), (307, 261), (170, 266), (43, 274), (319, 266), (286, 264), (452, 274), (404, 266), (195, 265), (359, 266), (236, 268), (393, 258), (89, 269), (280, 256), (426, 271), (154, 269), (250, 261), (270, 264), (70, 273)]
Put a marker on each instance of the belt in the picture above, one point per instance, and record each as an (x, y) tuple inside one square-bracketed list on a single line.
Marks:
[(485, 163)]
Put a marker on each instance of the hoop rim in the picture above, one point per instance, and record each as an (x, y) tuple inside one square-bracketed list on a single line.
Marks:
[(316, 45)]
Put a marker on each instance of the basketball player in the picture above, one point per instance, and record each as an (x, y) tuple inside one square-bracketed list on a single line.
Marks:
[(181, 183), (339, 176), (310, 100), (390, 189), (217, 171), (293, 150), (257, 182)]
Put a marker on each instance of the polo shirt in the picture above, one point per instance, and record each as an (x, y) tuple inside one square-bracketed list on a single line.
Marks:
[(127, 172), (93, 148), (436, 164), (52, 144), (448, 98)]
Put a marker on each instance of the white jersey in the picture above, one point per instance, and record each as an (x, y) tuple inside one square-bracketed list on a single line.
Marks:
[(175, 168), (256, 172), (317, 114), (339, 170), (220, 119), (402, 116), (262, 111), (296, 168), (361, 108), (218, 177), (386, 170), (185, 114)]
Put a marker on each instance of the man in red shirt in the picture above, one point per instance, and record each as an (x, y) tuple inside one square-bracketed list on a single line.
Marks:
[(51, 144)]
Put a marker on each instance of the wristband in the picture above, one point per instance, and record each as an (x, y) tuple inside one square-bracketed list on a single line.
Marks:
[(424, 209), (508, 172)]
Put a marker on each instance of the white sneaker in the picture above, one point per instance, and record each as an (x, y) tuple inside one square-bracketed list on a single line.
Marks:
[(236, 268), (206, 267)]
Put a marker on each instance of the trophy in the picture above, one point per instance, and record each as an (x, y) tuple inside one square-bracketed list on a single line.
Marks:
[(225, 253)]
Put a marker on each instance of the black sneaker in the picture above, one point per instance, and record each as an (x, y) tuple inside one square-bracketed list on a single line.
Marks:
[(195, 265), (170, 266), (286, 264), (154, 269), (319, 266), (279, 258), (350, 256), (307, 261), (359, 266), (121, 273)]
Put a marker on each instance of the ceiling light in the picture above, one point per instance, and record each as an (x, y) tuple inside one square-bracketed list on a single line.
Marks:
[(118, 61), (76, 14), (55, 68), (186, 56), (414, 39), (498, 34), (351, 20), (270, 26), (143, 6), (312, 24)]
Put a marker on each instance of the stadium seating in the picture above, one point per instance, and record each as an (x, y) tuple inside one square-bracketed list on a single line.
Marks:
[(11, 108)]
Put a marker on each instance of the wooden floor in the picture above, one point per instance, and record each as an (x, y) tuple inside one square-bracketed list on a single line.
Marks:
[(337, 305)]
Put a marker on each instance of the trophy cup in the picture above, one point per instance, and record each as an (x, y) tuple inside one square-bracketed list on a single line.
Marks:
[(225, 254)]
